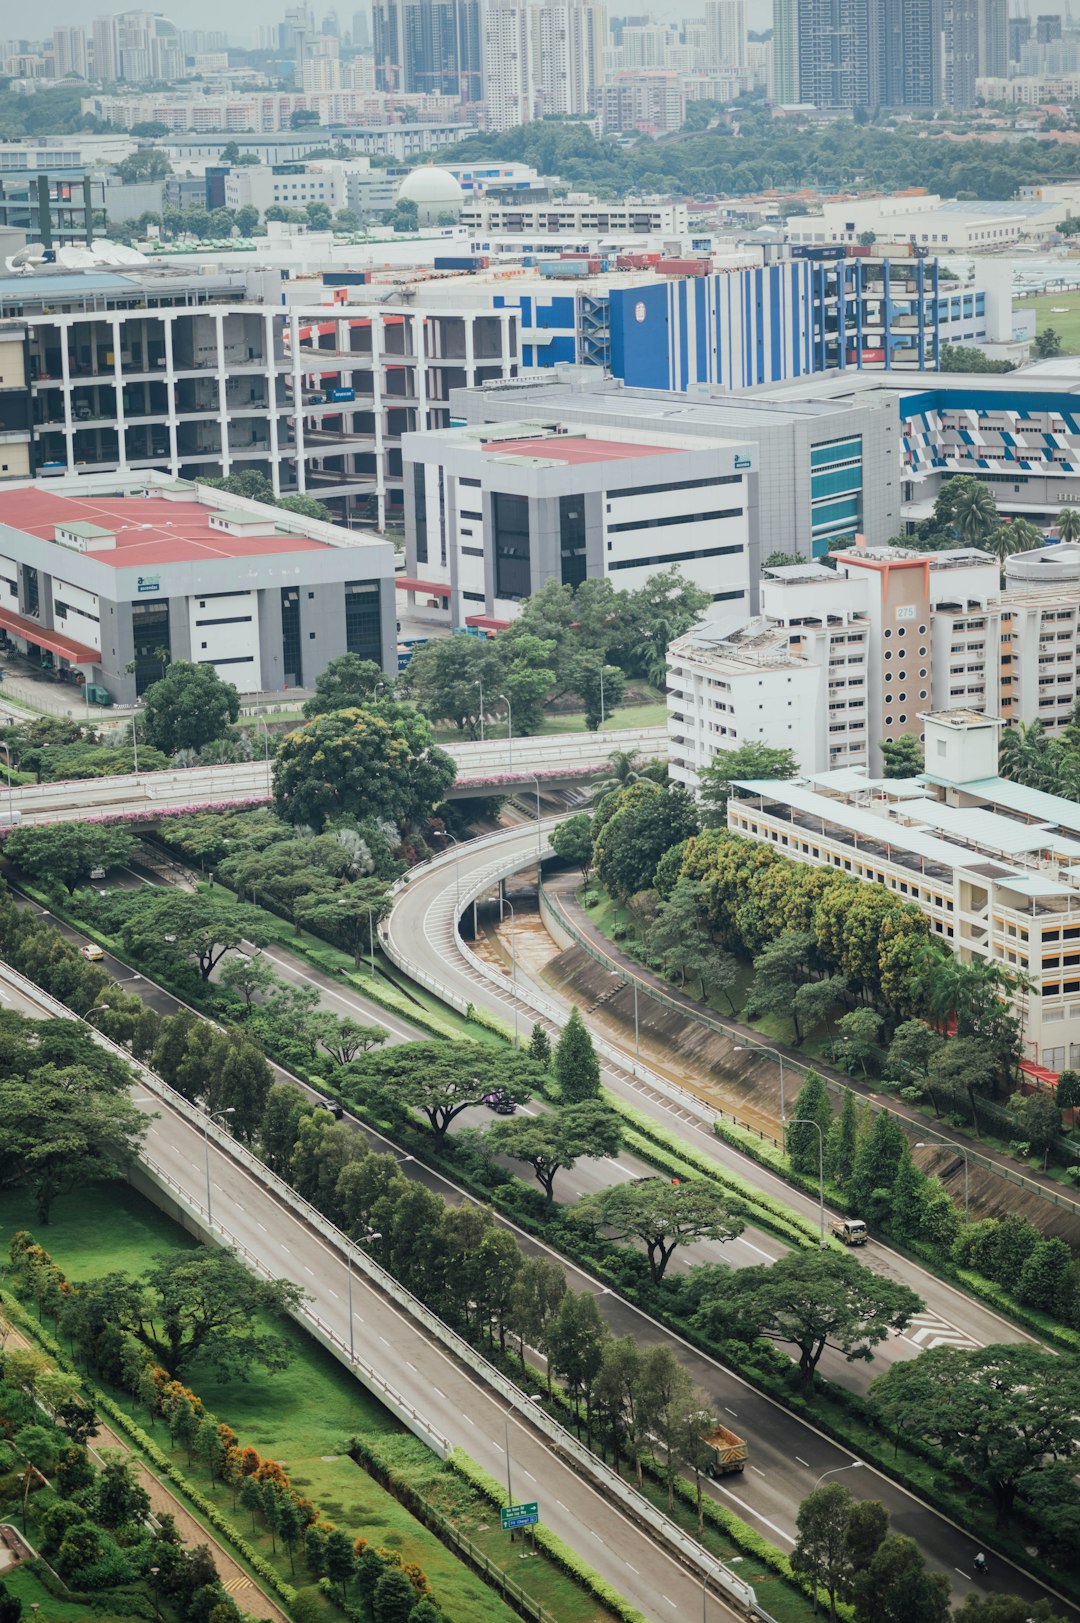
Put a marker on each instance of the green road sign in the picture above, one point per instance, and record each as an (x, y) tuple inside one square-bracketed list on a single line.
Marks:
[(519, 1516)]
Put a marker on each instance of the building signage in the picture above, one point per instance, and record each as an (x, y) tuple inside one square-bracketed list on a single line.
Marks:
[(149, 583), (743, 462), (639, 311), (905, 611), (519, 1516)]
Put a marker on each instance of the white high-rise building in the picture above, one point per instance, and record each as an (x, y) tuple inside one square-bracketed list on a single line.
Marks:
[(69, 52), (508, 80), (106, 44), (567, 51), (725, 30)]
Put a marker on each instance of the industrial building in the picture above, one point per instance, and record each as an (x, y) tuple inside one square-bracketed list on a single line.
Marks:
[(493, 514), (991, 864), (105, 579)]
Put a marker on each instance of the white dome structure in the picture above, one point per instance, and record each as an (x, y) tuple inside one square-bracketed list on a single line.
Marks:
[(434, 191)]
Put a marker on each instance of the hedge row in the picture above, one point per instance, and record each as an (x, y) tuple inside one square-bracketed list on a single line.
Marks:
[(145, 1444), (552, 1546)]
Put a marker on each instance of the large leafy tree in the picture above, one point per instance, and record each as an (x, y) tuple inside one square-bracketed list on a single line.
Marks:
[(577, 1069), (902, 757), (897, 1588), (633, 836), (448, 675), (442, 1079), (1004, 1412), (68, 852), (811, 1300), (376, 762), (555, 1141), (572, 840), (188, 707), (748, 761), (193, 1305), (203, 928), (662, 1215), (65, 1127), (347, 682), (348, 916)]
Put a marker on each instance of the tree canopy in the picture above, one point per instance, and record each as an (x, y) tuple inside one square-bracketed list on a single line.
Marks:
[(662, 1214), (188, 707), (554, 1141), (377, 761)]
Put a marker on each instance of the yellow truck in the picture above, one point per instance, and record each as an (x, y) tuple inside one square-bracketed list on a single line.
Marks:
[(727, 1452), (851, 1230)]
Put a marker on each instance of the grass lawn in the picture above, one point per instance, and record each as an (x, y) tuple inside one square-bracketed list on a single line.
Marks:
[(1060, 311), (303, 1417), (573, 721), (37, 1603)]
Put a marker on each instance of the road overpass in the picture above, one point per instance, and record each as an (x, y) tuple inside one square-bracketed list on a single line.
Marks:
[(502, 767)]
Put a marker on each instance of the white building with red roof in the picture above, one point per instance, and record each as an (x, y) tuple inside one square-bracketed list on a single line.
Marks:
[(104, 577)]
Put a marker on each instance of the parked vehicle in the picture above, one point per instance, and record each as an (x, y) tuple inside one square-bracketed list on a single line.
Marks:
[(500, 1102), (851, 1230), (727, 1452)]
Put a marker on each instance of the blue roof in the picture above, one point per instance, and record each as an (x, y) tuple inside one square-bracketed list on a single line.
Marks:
[(62, 284)]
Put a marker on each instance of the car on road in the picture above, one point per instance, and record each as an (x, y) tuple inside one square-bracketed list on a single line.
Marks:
[(335, 1110), (500, 1101), (97, 873), (92, 952)]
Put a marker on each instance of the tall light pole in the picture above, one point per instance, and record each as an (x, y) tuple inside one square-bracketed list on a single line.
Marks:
[(509, 728), (480, 685), (99, 1008), (513, 960), (808, 1121), (266, 750), (368, 1235), (603, 717), (11, 799), (762, 1048), (949, 1143), (207, 1119), (536, 780), (852, 1465)]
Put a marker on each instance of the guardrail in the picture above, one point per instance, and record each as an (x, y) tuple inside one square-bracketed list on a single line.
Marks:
[(745, 1040), (562, 1442)]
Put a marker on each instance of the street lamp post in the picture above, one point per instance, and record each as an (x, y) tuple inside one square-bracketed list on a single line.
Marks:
[(266, 750), (480, 685), (603, 717), (509, 728), (762, 1048), (371, 940), (808, 1121), (852, 1465), (536, 780), (513, 959), (99, 1008), (11, 799), (207, 1119), (967, 1201)]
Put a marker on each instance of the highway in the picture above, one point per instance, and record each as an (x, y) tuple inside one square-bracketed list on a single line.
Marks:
[(788, 1454), (483, 769), (455, 1404)]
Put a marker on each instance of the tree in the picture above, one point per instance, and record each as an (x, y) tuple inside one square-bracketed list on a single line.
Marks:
[(822, 1553), (1038, 1120), (242, 1085), (539, 1048), (1003, 1412), (197, 1305), (748, 761), (289, 1527), (966, 358), (1068, 524), (65, 1128), (781, 560), (575, 1344), (897, 1588), (188, 707), (856, 1040), (624, 768), (348, 915), (877, 1160), (668, 1398), (201, 927), (913, 1046), (577, 1069), (555, 1141), (969, 506), (347, 683), (248, 977), (662, 1214), (813, 1300), (842, 1140), (814, 1001), (443, 1079), (777, 972), (645, 821), (813, 1105), (1048, 1278), (393, 1598), (1067, 1092), (1047, 344), (680, 939), (902, 757), (600, 686), (121, 1499), (376, 762), (572, 840), (68, 852)]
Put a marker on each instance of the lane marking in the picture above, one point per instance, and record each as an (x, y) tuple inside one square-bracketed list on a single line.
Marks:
[(801, 1461)]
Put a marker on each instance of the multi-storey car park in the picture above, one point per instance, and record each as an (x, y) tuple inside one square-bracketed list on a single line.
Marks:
[(994, 866)]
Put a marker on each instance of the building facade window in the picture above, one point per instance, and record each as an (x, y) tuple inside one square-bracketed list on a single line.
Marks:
[(572, 539), (291, 659), (511, 543), (363, 620)]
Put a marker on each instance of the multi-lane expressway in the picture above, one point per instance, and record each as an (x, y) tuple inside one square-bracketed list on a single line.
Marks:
[(504, 765)]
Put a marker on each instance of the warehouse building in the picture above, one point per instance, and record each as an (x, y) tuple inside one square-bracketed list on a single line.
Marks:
[(105, 580)]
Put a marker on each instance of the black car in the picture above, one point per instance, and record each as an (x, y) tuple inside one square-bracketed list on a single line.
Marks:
[(335, 1110), (500, 1102)]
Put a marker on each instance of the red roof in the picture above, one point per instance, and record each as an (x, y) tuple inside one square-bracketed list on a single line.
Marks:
[(55, 641), (574, 448), (150, 530), (486, 622), (411, 583)]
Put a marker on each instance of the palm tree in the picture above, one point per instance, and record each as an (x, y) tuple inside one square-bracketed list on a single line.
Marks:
[(1068, 524), (1002, 542), (974, 513), (624, 768), (1024, 754)]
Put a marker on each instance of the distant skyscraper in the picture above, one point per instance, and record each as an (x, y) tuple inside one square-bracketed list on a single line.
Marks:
[(567, 54), (860, 53), (994, 38), (430, 47), (508, 82), (361, 31), (1019, 34), (725, 33), (960, 45), (106, 43), (69, 52), (1048, 29), (784, 77)]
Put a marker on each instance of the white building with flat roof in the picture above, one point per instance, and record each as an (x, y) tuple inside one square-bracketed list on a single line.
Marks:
[(994, 866)]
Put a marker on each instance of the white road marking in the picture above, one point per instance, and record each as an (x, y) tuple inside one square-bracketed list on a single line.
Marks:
[(670, 1602), (731, 1412), (759, 1473), (801, 1461), (749, 1510)]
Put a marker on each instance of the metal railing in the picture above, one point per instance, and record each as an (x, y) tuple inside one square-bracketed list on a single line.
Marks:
[(747, 1040), (563, 1443)]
